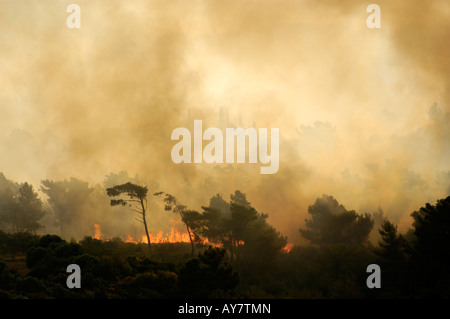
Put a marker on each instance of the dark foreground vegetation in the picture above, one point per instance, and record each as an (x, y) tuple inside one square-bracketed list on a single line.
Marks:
[(414, 265), (113, 269)]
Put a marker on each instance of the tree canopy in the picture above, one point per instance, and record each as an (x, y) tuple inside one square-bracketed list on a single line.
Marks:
[(137, 195), (69, 200), (331, 223), (430, 256), (238, 227), (191, 218), (20, 207)]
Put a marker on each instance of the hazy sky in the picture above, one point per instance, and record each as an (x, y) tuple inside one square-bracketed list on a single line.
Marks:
[(363, 113)]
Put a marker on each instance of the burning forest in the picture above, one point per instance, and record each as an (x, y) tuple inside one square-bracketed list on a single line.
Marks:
[(224, 149), (225, 250)]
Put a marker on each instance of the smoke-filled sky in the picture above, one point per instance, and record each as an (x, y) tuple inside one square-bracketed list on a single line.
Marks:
[(363, 113)]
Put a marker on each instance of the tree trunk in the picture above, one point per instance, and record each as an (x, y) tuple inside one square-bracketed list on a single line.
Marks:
[(145, 224), (192, 242), (146, 231)]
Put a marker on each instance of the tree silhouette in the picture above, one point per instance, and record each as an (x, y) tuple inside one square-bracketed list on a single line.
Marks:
[(137, 196), (393, 246), (20, 207), (331, 223), (430, 260), (190, 218), (216, 223), (29, 209), (393, 252), (69, 199), (208, 275), (8, 189), (238, 226)]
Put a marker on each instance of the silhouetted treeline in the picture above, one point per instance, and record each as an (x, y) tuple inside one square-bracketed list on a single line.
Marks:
[(249, 259)]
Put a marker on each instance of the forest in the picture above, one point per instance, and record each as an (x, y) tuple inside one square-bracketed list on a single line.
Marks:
[(230, 249)]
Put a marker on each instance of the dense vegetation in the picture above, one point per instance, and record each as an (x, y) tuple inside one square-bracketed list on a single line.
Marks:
[(238, 254)]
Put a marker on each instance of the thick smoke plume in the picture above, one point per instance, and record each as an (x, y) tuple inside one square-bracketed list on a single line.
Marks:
[(363, 113)]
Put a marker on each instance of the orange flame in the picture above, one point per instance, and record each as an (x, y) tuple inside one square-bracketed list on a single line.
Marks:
[(131, 240), (288, 247), (175, 236), (97, 231)]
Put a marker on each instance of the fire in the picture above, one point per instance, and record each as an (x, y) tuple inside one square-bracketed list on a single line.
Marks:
[(131, 240), (97, 231), (288, 247), (175, 236)]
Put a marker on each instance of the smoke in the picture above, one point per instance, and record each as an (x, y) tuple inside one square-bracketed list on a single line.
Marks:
[(355, 106)]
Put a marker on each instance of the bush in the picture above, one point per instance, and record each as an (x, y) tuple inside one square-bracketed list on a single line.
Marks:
[(32, 287), (208, 275), (65, 250), (47, 240), (7, 279)]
